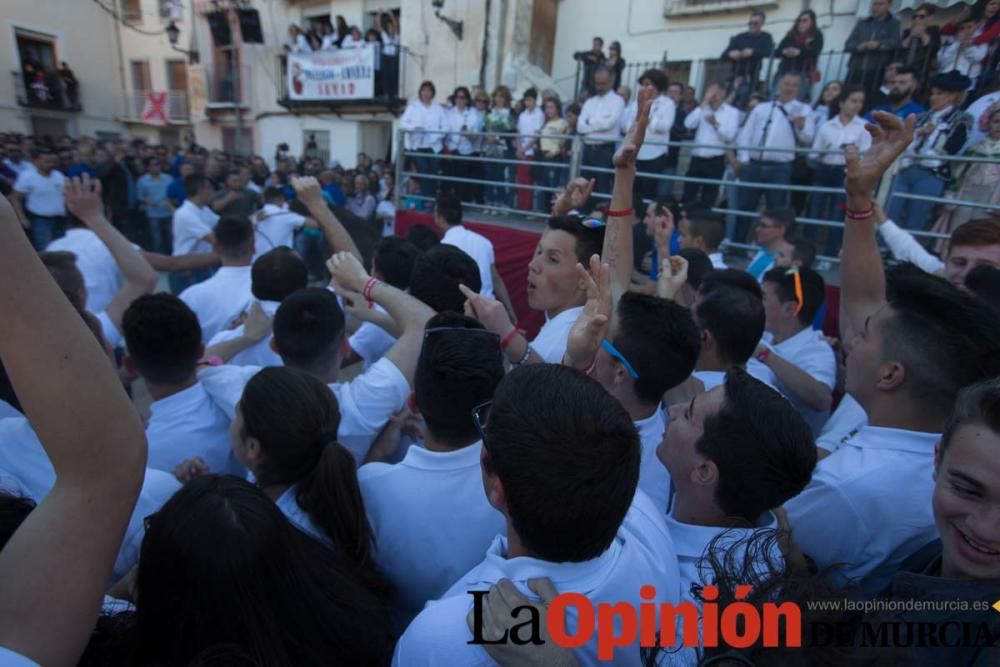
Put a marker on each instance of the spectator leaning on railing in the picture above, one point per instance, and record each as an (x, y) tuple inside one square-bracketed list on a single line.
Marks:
[(425, 124), (746, 51), (715, 124), (652, 156), (872, 43), (599, 124), (799, 49)]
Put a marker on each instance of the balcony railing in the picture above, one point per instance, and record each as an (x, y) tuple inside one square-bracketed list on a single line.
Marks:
[(46, 92), (177, 107), (222, 88)]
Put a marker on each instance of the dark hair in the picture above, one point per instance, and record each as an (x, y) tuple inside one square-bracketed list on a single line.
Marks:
[(660, 340), (657, 78), (978, 403), (709, 226), (759, 13), (423, 237), (61, 264), (394, 259), (233, 237), (845, 92), (567, 454), (813, 290), (277, 273), (273, 192), (589, 241), (946, 338), (449, 207), (429, 85), (805, 252), (907, 69), (309, 329), (295, 418), (530, 92), (984, 282), (775, 455), (437, 274), (699, 266), (163, 338), (730, 306), (812, 30), (458, 369), (574, 108), (782, 215), (220, 564), (193, 184)]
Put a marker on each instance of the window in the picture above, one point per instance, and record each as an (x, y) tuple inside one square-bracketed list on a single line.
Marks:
[(229, 143), (317, 145), (177, 75), (140, 75), (171, 10), (131, 11), (39, 65)]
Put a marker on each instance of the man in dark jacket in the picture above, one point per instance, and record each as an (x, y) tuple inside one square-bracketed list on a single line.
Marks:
[(746, 51), (872, 44)]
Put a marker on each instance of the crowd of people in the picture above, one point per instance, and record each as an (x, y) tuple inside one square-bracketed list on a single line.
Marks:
[(49, 88), (746, 139), (690, 433)]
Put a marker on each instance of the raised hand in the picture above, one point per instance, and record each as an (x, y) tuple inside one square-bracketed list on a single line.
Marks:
[(587, 332), (663, 231), (626, 154), (346, 271), (490, 312), (83, 199), (890, 137), (190, 469), (257, 324), (672, 277), (308, 190), (574, 195)]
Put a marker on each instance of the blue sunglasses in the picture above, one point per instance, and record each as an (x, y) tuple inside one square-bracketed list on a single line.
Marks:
[(613, 351)]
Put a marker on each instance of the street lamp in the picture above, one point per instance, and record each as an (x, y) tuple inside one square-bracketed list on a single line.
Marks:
[(456, 26), (173, 34)]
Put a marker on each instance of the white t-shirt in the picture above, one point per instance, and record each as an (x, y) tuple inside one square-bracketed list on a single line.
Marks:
[(868, 506), (188, 424), (101, 275), (529, 123), (550, 343), (219, 300), (431, 520), (642, 553), (366, 402), (711, 379), (276, 229), (843, 424), (258, 354), (371, 342), (23, 457), (479, 248), (43, 195), (190, 225), (811, 353), (654, 479)]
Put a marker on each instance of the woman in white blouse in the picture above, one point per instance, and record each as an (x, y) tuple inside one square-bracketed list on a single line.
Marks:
[(424, 122), (844, 127), (461, 119), (299, 41)]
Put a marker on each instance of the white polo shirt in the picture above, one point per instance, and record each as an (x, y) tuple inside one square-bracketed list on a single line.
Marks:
[(188, 424), (842, 425), (711, 379), (432, 501), (366, 402), (258, 354), (219, 300), (692, 542), (550, 343), (298, 517), (479, 248), (371, 342), (190, 225), (642, 553), (43, 195), (277, 229), (717, 261), (811, 353), (101, 275), (654, 480), (23, 457), (868, 505)]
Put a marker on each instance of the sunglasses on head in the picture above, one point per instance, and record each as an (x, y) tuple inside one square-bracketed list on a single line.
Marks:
[(800, 299), (592, 223)]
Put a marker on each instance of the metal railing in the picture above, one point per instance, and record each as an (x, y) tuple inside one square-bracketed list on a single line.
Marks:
[(48, 92), (470, 181), (178, 110)]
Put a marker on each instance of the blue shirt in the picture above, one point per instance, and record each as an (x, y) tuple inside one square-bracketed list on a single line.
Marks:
[(675, 247), (81, 168), (336, 195), (176, 191), (903, 112), (155, 190)]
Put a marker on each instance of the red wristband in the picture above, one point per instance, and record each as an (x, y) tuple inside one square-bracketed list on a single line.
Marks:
[(762, 357), (367, 291), (625, 212), (860, 215), (509, 338)]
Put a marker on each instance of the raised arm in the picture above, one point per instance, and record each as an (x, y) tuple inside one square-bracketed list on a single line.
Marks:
[(54, 569), (189, 262), (309, 193), (83, 199), (617, 251), (410, 313), (862, 277)]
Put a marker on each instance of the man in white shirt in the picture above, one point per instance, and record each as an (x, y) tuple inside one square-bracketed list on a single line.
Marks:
[(309, 335), (221, 299), (529, 125), (914, 342), (776, 128), (164, 345), (433, 500), (193, 220), (801, 363), (716, 124), (649, 347), (560, 461), (38, 200), (734, 453), (729, 311), (100, 272), (274, 276), (275, 225), (652, 157), (704, 230), (599, 124)]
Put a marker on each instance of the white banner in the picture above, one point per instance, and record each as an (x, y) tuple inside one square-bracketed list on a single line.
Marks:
[(347, 74)]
